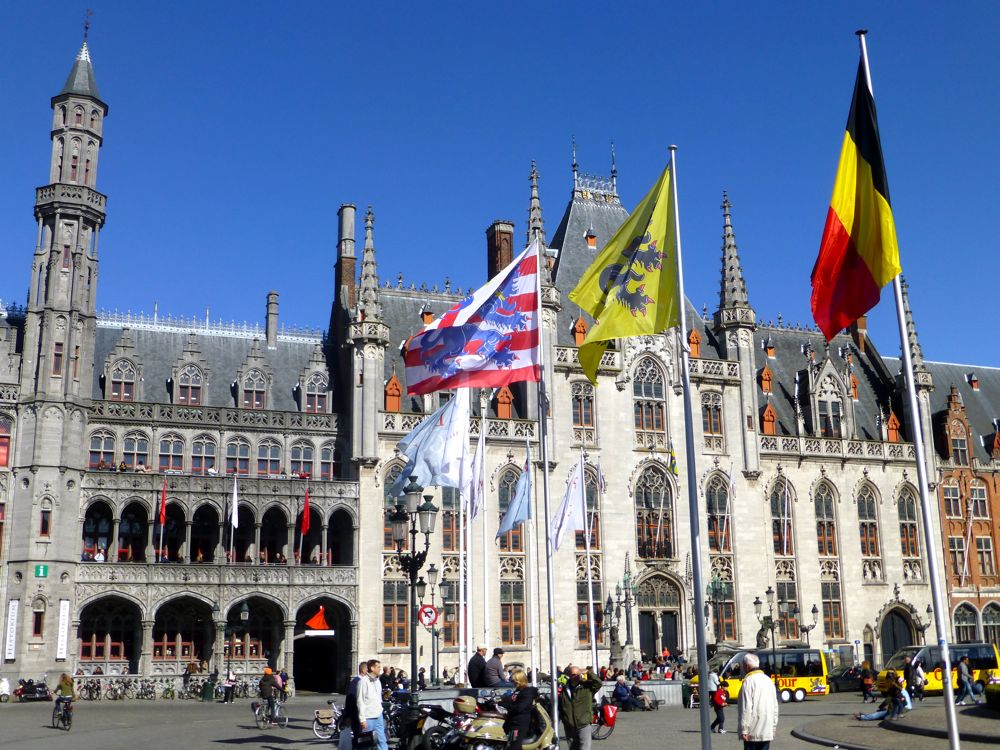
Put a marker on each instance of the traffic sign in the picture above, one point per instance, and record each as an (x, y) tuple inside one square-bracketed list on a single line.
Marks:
[(427, 615)]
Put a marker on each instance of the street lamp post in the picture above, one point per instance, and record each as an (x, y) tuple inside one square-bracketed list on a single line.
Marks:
[(924, 626), (627, 593), (800, 617), (404, 521), (715, 592), (771, 624), (434, 630)]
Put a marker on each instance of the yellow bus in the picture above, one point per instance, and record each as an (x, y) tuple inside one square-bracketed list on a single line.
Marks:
[(984, 663), (798, 672)]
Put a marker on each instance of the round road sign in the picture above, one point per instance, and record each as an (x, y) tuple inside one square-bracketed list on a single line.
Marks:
[(427, 615)]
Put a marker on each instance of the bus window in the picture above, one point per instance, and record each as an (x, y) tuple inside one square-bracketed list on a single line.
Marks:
[(814, 667), (980, 657), (792, 664)]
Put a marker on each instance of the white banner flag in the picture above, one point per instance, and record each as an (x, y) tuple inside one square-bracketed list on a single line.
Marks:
[(62, 640), (10, 647), (570, 515), (236, 506)]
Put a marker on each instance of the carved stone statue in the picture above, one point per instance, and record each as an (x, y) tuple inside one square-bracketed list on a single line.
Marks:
[(762, 637)]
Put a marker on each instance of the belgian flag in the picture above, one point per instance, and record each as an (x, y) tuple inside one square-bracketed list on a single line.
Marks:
[(858, 255)]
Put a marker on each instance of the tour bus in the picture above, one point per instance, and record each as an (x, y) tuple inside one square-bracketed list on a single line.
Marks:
[(799, 672), (984, 663)]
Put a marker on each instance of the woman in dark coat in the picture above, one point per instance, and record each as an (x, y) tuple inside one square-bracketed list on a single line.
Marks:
[(519, 705)]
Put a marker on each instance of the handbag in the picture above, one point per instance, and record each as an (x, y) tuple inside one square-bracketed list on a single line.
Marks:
[(364, 739)]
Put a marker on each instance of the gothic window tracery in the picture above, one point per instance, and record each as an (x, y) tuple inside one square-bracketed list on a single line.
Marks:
[(782, 530), (593, 513), (909, 540), (717, 500), (826, 521), (190, 381), (203, 451), (868, 522), (831, 409), (254, 390), (268, 458), (135, 450), (171, 453), (102, 450), (512, 541), (648, 395), (316, 388), (238, 457), (123, 379), (302, 459), (654, 515)]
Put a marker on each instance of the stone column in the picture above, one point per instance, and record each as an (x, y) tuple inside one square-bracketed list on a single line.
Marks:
[(186, 552), (113, 547), (220, 547), (256, 543), (150, 542), (288, 646), (290, 548), (146, 649), (325, 537), (218, 648)]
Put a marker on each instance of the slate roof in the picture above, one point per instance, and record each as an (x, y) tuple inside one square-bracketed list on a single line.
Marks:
[(81, 80), (158, 351), (981, 407)]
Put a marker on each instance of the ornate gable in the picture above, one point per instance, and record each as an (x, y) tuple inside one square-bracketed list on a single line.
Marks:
[(121, 379)]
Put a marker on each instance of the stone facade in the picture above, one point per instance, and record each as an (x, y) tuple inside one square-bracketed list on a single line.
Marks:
[(806, 473)]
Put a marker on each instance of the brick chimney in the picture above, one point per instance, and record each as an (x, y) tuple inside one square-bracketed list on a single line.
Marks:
[(346, 260), (499, 246), (271, 322)]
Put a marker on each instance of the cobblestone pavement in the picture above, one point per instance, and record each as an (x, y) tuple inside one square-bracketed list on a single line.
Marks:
[(190, 725)]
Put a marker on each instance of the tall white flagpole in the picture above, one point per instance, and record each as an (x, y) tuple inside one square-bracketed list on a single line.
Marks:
[(233, 521), (930, 543), (590, 573), (531, 545), (463, 662), (692, 474), (483, 406)]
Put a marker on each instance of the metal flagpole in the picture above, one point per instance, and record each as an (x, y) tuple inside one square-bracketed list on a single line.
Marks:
[(937, 594), (484, 404), (163, 521), (590, 573), (531, 545), (463, 662), (692, 475), (232, 534)]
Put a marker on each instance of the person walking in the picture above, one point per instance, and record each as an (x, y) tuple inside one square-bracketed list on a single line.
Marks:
[(477, 668), (719, 700), (370, 705), (350, 721), (711, 685), (519, 705), (576, 706), (965, 687), (919, 681), (494, 675), (757, 706), (229, 685)]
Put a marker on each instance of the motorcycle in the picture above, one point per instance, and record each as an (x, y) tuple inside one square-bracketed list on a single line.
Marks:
[(483, 728), (411, 722), (29, 690), (4, 690)]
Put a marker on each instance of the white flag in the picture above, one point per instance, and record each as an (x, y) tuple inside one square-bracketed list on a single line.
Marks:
[(570, 515), (438, 448), (477, 490), (236, 505)]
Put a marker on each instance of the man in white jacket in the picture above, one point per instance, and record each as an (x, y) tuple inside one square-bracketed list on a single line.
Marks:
[(758, 706), (370, 705)]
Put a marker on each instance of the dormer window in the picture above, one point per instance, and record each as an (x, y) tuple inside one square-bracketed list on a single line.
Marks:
[(769, 420), (768, 346), (393, 394), (892, 428), (505, 403), (579, 331), (591, 238), (959, 450), (254, 390), (189, 384), (316, 394), (694, 343), (854, 387), (973, 380), (123, 381), (766, 381), (830, 410)]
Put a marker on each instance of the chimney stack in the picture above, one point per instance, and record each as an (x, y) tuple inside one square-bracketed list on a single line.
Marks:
[(271, 325), (499, 246), (346, 280), (859, 332)]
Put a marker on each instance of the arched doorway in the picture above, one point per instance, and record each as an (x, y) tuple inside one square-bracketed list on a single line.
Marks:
[(204, 534), (255, 644), (133, 533), (895, 633), (109, 637), (322, 661), (659, 616), (183, 633), (97, 530), (273, 536), (340, 539)]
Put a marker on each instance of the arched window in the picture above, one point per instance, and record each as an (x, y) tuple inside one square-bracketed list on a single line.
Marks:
[(38, 618), (102, 451), (648, 405), (590, 481), (831, 407), (97, 530), (189, 385), (316, 388), (135, 450), (238, 457), (5, 428), (966, 627), (654, 515), (326, 462), (254, 385), (991, 623), (782, 530), (171, 453), (711, 413), (512, 540), (74, 159), (95, 119), (123, 381), (583, 405), (78, 116), (717, 499), (389, 506), (826, 521), (907, 505), (868, 522), (302, 460), (62, 115), (203, 455), (268, 458)]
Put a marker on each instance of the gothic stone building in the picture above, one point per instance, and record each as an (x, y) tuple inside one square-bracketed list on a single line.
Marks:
[(805, 465)]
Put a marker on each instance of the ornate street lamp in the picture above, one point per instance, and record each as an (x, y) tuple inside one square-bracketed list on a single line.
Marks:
[(627, 593), (715, 596), (768, 621), (801, 619)]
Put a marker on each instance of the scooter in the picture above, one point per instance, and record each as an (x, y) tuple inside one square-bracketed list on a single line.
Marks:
[(29, 690), (4, 690), (485, 730)]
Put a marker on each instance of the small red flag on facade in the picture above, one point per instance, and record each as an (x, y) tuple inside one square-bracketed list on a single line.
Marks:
[(305, 514), (317, 621), (163, 504)]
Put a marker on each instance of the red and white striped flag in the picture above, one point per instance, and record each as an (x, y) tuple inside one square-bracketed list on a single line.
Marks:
[(488, 340)]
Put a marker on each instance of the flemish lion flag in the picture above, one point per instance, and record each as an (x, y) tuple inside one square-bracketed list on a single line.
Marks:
[(631, 287), (858, 254)]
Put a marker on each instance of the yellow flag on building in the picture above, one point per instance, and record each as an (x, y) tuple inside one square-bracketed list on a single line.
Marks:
[(631, 287)]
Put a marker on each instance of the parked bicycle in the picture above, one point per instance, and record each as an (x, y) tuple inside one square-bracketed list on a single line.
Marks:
[(119, 690), (169, 692), (264, 718), (146, 690), (326, 722), (90, 690), (62, 714)]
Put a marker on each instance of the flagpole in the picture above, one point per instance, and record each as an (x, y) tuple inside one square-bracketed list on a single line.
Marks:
[(937, 595), (232, 535), (483, 404), (590, 574), (543, 410), (163, 521), (692, 475), (463, 662), (531, 545)]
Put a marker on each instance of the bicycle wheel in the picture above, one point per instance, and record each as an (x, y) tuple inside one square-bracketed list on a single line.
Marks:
[(109, 693), (258, 716), (323, 731), (68, 720), (280, 717), (600, 731), (55, 717)]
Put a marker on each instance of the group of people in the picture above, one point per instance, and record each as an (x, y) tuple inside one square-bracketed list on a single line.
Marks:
[(908, 685), (488, 673), (363, 708)]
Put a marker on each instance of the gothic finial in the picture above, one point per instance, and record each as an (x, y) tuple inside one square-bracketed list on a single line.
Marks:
[(614, 170), (536, 226), (368, 296), (86, 25), (733, 291), (575, 165), (911, 330)]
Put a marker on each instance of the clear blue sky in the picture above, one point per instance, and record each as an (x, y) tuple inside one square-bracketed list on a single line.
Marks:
[(237, 129)]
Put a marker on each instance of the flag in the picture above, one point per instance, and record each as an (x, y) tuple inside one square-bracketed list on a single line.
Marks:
[(477, 490), (235, 520), (569, 514), (163, 504), (858, 254), (489, 339), (305, 513), (519, 507), (318, 620), (631, 287), (438, 448)]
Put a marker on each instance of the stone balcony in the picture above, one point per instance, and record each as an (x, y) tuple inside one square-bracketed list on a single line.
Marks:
[(398, 423), (79, 197), (205, 416), (871, 450)]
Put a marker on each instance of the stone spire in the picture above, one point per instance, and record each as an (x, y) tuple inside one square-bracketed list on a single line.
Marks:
[(536, 226), (81, 81), (734, 304), (368, 289), (614, 170), (576, 167), (911, 332)]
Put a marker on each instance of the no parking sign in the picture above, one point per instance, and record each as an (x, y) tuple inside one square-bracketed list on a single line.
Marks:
[(427, 615)]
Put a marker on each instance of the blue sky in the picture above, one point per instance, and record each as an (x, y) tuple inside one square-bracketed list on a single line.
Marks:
[(236, 130)]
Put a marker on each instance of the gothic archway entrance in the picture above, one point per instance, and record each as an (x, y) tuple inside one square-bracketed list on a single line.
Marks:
[(322, 660), (659, 616), (895, 633), (109, 637)]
